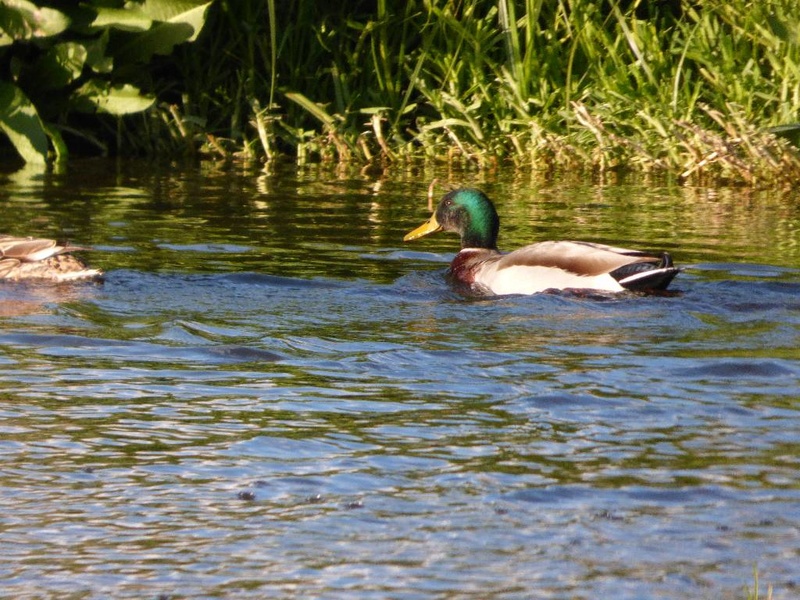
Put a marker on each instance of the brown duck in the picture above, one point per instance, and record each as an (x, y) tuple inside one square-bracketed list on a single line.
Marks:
[(42, 259)]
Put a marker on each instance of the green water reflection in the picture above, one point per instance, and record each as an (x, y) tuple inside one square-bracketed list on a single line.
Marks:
[(313, 222)]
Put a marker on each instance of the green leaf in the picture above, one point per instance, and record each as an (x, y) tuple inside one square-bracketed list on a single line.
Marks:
[(174, 11), (59, 147), (174, 22), (59, 66), (101, 96), (311, 107), (130, 18), (23, 20), (96, 58), (20, 122)]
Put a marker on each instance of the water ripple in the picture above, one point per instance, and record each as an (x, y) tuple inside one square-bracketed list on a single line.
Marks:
[(325, 417)]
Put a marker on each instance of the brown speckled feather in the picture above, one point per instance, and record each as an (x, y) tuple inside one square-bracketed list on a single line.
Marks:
[(41, 258)]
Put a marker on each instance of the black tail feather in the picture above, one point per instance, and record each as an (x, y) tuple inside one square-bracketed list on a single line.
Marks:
[(647, 276)]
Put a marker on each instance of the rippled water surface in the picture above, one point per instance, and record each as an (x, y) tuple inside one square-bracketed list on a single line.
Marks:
[(272, 396)]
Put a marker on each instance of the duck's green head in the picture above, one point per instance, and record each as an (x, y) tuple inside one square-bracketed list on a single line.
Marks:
[(469, 213)]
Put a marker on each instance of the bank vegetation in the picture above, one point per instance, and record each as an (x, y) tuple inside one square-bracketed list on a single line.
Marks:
[(702, 91)]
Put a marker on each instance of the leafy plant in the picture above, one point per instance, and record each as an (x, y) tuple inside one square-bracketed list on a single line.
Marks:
[(695, 89), (90, 58)]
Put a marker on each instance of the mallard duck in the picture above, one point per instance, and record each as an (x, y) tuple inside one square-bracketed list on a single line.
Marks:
[(538, 267), (43, 259)]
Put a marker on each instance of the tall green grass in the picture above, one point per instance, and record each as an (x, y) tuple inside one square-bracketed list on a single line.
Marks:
[(688, 88), (754, 593)]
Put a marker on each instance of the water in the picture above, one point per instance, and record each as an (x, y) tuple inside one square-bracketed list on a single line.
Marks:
[(272, 396)]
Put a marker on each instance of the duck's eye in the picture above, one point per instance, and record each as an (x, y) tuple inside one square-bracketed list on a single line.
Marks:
[(448, 202)]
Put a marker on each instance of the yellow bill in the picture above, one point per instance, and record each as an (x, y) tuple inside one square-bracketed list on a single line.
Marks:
[(430, 226)]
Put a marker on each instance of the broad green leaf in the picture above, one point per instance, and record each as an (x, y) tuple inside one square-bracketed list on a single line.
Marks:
[(59, 66), (101, 96), (96, 58), (174, 22), (23, 20), (20, 122), (130, 18), (178, 11)]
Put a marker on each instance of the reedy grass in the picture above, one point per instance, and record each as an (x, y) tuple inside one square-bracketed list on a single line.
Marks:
[(691, 91), (754, 593)]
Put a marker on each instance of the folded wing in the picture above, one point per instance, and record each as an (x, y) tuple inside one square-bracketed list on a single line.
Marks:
[(565, 264)]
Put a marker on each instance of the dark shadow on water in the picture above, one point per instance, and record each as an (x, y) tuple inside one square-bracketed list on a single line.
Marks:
[(76, 346)]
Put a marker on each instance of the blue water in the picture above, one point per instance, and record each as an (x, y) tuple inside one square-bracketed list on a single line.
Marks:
[(271, 396)]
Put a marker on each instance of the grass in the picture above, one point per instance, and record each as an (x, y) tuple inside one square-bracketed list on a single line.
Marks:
[(703, 91), (754, 592)]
